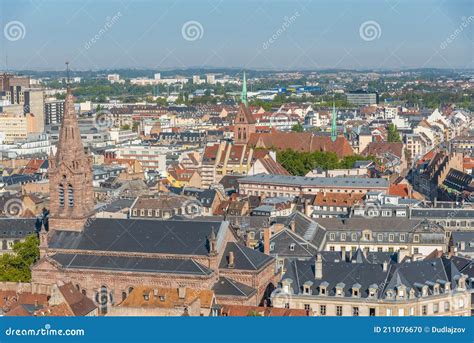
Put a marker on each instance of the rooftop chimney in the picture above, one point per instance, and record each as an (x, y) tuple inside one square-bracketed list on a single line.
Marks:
[(293, 226), (318, 267), (266, 241)]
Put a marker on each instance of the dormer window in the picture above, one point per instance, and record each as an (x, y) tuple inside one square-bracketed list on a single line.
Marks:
[(272, 246), (356, 290), (340, 289), (416, 238), (332, 236), (307, 287), (323, 288), (292, 247), (436, 289), (373, 291), (424, 291), (390, 294)]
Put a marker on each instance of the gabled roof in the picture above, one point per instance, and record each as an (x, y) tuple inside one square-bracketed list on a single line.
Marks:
[(228, 287), (79, 304), (244, 258), (131, 264), (179, 237)]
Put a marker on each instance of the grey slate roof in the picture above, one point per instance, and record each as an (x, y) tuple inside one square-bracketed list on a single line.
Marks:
[(412, 275), (463, 236), (228, 287), (244, 258), (285, 239), (131, 264), (141, 236), (16, 227), (305, 227), (440, 213), (352, 182)]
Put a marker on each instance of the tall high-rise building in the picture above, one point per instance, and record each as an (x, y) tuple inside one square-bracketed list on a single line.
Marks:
[(34, 105), (53, 111)]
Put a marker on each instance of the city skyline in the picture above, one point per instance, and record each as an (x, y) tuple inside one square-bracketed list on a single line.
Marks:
[(260, 35)]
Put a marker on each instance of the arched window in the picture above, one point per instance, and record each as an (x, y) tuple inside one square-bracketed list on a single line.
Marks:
[(61, 195), (70, 193)]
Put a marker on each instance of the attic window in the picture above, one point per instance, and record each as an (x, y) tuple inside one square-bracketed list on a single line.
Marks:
[(272, 246), (292, 247)]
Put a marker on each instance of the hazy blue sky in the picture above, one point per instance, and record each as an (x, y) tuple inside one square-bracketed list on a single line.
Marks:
[(314, 34)]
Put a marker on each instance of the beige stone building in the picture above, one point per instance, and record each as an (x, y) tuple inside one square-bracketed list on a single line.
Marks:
[(431, 287)]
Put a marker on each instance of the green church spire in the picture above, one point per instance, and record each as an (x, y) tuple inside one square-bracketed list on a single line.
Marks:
[(333, 124), (243, 97)]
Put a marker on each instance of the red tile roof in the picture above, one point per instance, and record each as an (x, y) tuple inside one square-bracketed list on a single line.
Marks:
[(301, 141)]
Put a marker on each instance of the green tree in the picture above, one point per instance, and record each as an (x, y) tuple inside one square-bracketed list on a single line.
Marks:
[(297, 128), (393, 134), (16, 266), (300, 163)]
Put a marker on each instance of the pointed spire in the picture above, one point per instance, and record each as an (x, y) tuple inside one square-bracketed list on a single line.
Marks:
[(243, 97), (333, 123)]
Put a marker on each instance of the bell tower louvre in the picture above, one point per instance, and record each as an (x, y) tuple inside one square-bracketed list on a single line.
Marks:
[(70, 176)]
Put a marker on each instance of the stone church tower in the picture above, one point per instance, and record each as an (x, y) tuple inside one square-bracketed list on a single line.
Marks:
[(244, 124), (70, 176)]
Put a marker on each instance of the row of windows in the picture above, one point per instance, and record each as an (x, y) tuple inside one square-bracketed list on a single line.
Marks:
[(368, 237), (355, 310), (379, 249)]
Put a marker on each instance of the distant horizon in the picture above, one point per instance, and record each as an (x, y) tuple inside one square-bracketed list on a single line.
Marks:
[(285, 35), (240, 69)]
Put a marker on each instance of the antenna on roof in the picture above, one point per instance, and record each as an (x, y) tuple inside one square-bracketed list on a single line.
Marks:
[(67, 73)]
